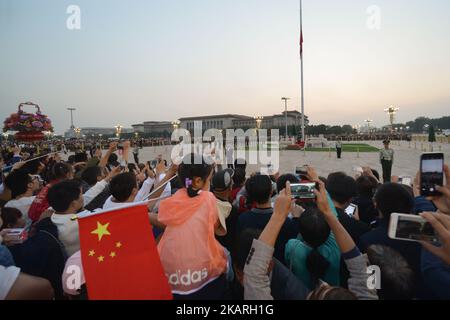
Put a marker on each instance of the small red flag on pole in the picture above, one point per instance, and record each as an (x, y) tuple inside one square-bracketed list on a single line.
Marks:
[(119, 256)]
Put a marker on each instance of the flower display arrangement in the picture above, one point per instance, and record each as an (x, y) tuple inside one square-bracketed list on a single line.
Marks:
[(29, 126)]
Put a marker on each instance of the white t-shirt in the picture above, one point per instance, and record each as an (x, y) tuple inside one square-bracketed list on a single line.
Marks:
[(73, 269), (8, 276), (23, 205), (67, 232)]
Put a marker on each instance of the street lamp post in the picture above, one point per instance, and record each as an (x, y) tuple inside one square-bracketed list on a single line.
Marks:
[(72, 127), (391, 111), (285, 115), (48, 134), (176, 124), (118, 130), (368, 121), (77, 132), (258, 120)]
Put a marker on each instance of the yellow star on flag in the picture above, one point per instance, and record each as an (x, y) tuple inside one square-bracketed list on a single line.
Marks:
[(102, 229), (118, 244), (101, 258), (91, 253), (112, 254)]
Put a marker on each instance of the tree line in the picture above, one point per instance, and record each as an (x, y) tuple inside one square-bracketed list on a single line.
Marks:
[(416, 126)]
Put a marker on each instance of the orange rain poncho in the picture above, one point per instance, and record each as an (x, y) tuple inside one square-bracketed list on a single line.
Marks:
[(189, 252)]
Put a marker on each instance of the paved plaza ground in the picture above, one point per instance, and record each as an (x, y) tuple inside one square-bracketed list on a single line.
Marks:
[(406, 161)]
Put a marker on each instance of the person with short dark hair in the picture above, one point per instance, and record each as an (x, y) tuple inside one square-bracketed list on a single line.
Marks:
[(238, 182), (259, 191), (92, 175), (240, 163), (123, 188), (365, 190), (394, 198), (342, 189), (22, 186), (12, 218), (397, 277), (66, 199), (58, 171)]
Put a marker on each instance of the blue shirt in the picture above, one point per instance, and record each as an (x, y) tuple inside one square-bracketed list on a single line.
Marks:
[(257, 219), (436, 275), (6, 258), (297, 251)]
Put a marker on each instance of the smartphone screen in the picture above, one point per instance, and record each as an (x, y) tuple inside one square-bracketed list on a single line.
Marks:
[(413, 228), (350, 210), (405, 180), (303, 190), (431, 173), (301, 170)]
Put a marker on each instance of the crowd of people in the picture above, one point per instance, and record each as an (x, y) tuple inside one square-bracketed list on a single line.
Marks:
[(243, 233)]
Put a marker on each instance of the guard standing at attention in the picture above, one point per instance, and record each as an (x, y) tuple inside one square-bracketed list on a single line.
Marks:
[(386, 159)]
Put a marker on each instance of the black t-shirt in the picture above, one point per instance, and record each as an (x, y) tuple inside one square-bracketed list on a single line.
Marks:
[(228, 240), (354, 227), (258, 219)]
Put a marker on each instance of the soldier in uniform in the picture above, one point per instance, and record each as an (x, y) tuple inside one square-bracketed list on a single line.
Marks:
[(338, 149), (386, 159)]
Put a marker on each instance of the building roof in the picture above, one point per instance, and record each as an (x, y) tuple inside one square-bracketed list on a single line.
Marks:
[(236, 116)]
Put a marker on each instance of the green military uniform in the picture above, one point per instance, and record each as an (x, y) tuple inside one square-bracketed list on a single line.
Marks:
[(338, 149), (387, 159)]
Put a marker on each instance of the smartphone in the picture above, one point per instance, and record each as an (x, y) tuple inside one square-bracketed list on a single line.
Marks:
[(358, 169), (303, 170), (351, 209), (15, 236), (303, 190), (431, 173), (153, 164), (410, 227), (406, 180)]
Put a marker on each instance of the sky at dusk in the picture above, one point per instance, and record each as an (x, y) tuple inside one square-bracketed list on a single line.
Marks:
[(143, 60)]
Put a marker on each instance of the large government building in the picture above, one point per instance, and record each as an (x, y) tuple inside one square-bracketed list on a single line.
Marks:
[(223, 121)]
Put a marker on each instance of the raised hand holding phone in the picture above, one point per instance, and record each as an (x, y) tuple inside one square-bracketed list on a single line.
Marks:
[(283, 202), (441, 225), (280, 212), (442, 202), (312, 173), (431, 174), (322, 199)]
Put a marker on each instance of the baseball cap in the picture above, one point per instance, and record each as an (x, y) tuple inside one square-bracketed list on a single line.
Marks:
[(222, 180)]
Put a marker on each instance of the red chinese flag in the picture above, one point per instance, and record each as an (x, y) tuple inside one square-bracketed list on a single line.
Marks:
[(120, 258)]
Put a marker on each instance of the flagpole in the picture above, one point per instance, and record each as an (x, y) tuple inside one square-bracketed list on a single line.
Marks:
[(301, 74)]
